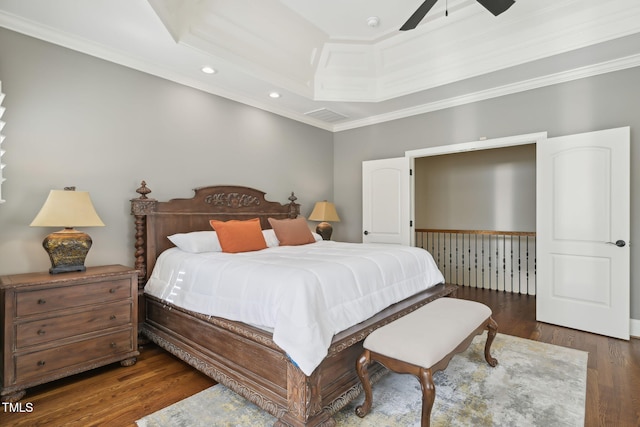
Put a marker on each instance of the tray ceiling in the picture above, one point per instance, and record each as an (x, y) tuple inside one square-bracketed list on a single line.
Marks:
[(330, 56)]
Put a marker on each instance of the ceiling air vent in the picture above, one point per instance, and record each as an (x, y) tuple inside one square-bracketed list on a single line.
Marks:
[(325, 115)]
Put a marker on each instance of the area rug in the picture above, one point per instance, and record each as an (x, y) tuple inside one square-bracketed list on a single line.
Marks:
[(534, 384)]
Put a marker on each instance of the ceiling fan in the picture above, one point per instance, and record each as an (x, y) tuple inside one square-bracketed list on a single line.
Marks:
[(494, 6)]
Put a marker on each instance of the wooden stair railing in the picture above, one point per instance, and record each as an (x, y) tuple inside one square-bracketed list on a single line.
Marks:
[(502, 260)]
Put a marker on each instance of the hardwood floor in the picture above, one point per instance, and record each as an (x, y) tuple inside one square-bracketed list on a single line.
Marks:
[(613, 367), (118, 396)]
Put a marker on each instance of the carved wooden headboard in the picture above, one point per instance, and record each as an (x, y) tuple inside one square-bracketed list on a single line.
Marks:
[(155, 220)]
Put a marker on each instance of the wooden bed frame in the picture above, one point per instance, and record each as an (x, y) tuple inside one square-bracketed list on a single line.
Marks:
[(244, 358)]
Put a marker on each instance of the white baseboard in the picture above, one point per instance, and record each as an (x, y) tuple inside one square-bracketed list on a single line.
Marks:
[(635, 328)]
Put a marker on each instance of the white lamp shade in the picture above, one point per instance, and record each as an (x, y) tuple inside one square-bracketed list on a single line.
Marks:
[(324, 211), (67, 208)]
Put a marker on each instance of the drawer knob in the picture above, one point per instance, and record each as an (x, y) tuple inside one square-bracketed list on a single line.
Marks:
[(113, 345), (41, 362), (112, 317), (112, 291), (41, 332), (42, 301)]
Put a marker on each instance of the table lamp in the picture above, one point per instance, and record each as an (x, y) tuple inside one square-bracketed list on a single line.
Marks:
[(324, 211), (68, 247)]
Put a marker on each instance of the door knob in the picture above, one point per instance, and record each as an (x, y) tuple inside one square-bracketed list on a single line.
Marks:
[(618, 243), (366, 233)]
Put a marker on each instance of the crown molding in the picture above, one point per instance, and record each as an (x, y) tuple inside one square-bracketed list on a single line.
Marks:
[(54, 36), (509, 89), (470, 44), (350, 80)]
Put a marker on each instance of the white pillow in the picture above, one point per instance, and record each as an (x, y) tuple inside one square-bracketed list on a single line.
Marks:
[(270, 238), (316, 236), (197, 241)]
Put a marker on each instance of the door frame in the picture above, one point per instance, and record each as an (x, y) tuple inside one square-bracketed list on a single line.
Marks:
[(481, 144)]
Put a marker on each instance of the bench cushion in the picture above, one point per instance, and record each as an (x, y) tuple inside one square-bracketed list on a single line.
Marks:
[(426, 335)]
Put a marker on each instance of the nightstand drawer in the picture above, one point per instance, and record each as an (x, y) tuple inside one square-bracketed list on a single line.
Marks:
[(37, 364), (55, 328), (56, 325), (46, 300)]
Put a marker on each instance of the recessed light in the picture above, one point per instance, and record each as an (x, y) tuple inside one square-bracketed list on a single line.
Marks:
[(208, 70), (274, 95)]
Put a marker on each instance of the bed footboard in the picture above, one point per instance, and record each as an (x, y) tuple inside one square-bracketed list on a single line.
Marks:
[(246, 360)]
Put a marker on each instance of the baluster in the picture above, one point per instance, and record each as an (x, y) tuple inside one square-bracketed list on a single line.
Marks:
[(433, 246), (462, 260), (450, 258), (504, 263), (511, 251), (476, 260), (535, 273), (469, 260), (497, 262), (483, 261), (520, 264), (463, 269), (527, 264), (444, 267)]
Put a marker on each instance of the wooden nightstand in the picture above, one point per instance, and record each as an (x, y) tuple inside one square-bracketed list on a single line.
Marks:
[(55, 325)]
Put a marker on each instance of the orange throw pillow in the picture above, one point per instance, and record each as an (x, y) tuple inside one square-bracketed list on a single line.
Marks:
[(292, 232), (239, 236)]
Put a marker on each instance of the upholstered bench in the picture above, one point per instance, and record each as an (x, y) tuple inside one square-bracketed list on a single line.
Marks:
[(423, 342)]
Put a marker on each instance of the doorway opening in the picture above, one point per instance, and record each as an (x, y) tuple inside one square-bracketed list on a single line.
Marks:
[(474, 210)]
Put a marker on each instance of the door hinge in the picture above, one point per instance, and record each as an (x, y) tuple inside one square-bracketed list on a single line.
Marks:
[(410, 223), (410, 172)]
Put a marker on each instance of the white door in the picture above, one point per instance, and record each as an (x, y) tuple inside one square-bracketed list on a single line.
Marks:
[(583, 229), (386, 204)]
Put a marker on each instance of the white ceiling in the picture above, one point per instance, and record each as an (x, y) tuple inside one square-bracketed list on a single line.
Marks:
[(334, 70)]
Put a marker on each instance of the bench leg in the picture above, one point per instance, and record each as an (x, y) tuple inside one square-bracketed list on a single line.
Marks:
[(492, 329), (361, 367), (424, 375), (428, 395)]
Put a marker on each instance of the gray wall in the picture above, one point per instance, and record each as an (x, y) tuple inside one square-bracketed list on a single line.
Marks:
[(601, 102), (479, 190), (73, 119), (76, 120)]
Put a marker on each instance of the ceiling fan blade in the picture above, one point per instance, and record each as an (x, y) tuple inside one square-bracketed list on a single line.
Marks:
[(496, 6), (417, 16)]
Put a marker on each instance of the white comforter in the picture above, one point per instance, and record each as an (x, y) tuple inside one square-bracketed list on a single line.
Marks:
[(305, 294)]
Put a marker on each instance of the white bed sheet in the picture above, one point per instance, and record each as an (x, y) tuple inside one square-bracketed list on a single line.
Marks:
[(305, 294)]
